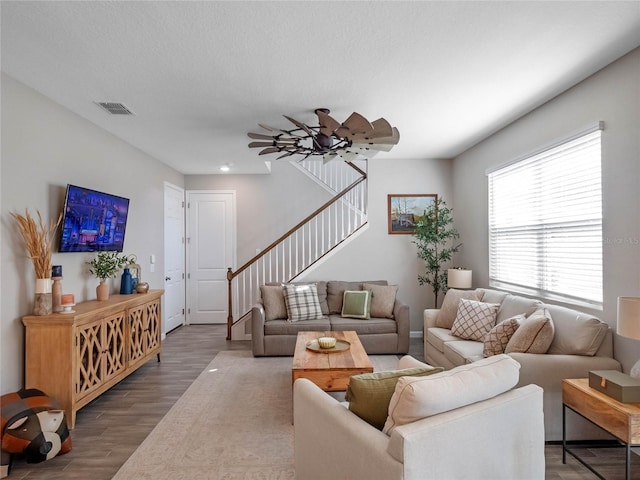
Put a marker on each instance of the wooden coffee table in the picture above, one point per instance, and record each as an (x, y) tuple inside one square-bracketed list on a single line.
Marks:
[(329, 371)]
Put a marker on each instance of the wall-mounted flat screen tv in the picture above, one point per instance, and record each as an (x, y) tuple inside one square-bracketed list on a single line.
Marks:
[(93, 221)]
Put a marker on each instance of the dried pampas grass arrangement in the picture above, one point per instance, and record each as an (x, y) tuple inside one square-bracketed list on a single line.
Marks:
[(37, 238)]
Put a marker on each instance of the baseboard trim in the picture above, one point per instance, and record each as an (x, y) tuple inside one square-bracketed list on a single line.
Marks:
[(415, 334)]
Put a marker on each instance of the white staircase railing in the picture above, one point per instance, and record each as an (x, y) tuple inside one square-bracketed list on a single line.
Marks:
[(335, 175), (299, 248)]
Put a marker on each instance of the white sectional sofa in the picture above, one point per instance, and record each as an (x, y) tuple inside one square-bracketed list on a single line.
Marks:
[(581, 342)]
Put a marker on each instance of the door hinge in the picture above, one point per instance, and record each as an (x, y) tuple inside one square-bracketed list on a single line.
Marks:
[(182, 204), (183, 311), (189, 311)]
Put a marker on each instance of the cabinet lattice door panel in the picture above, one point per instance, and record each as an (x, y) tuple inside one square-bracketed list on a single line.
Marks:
[(89, 355), (145, 324), (101, 352), (136, 334), (114, 345), (154, 325)]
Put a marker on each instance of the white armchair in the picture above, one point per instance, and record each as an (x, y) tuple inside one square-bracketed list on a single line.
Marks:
[(498, 438)]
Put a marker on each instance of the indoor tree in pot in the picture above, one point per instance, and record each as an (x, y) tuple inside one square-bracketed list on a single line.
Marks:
[(434, 235), (105, 265)]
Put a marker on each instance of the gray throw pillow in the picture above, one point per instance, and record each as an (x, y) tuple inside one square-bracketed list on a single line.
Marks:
[(273, 302)]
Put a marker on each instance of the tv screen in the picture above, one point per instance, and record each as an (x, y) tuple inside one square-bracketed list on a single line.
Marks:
[(93, 221)]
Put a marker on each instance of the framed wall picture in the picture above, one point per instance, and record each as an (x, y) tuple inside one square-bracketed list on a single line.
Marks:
[(405, 210)]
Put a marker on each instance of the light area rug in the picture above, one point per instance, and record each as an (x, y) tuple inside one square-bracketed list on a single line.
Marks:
[(233, 422)]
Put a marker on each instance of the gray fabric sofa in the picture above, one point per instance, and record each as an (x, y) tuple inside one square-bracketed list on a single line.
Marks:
[(581, 342), (277, 336)]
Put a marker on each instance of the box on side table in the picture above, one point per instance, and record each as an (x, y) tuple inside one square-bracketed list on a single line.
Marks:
[(617, 385)]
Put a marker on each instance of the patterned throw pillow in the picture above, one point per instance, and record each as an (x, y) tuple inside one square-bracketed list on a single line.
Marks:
[(302, 302), (495, 341), (356, 304), (534, 335), (474, 319)]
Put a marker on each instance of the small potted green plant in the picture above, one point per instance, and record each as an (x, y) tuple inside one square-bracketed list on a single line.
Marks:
[(105, 265)]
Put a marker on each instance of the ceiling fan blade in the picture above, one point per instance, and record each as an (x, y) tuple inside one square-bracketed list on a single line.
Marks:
[(382, 128), (267, 127), (356, 123), (262, 144), (299, 124), (306, 129), (381, 147), (269, 150), (260, 136), (288, 154), (328, 124), (348, 155), (392, 140)]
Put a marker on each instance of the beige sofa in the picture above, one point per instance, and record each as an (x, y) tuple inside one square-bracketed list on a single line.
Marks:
[(272, 334), (580, 343), (497, 437)]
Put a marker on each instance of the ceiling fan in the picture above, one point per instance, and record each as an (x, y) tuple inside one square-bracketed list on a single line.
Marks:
[(354, 137)]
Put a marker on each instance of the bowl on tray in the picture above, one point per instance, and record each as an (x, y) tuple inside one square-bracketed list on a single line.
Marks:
[(326, 342)]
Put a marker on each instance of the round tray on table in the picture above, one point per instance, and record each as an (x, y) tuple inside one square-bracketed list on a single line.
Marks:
[(341, 346)]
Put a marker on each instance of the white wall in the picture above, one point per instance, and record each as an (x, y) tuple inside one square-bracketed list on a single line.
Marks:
[(266, 205), (613, 96), (44, 147), (376, 255)]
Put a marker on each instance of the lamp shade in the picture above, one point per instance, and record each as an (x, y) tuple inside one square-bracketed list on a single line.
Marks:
[(458, 278), (629, 317)]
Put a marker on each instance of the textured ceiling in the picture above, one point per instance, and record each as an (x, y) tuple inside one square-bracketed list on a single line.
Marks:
[(200, 75)]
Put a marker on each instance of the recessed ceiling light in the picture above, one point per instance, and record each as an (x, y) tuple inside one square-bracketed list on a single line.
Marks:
[(225, 168)]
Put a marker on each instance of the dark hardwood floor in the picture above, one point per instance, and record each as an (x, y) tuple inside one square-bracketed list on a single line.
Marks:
[(110, 429)]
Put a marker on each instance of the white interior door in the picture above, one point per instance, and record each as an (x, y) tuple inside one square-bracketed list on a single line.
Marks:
[(210, 251), (174, 257)]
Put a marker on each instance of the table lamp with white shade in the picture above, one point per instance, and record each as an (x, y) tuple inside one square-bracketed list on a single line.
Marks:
[(629, 324), (459, 278)]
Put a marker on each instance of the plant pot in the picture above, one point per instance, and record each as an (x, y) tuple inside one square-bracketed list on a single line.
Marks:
[(43, 301), (102, 291)]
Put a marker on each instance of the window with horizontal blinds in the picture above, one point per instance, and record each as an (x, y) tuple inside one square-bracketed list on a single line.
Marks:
[(545, 223)]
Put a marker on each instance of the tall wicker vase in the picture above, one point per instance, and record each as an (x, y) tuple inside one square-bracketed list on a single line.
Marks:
[(43, 302), (102, 291)]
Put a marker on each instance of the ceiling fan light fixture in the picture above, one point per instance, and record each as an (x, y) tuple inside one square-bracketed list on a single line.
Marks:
[(323, 143)]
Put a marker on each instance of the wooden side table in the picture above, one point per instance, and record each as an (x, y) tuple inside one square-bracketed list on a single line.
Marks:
[(622, 420)]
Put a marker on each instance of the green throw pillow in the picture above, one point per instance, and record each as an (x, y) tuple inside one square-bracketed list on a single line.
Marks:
[(369, 394), (356, 304)]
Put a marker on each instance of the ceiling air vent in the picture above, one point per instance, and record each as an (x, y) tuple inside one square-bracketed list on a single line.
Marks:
[(115, 108)]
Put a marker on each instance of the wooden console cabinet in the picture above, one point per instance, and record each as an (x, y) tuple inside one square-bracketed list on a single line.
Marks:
[(75, 357)]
